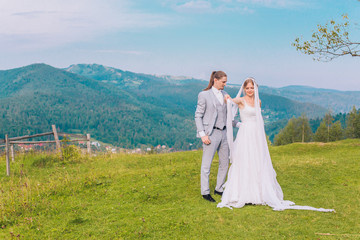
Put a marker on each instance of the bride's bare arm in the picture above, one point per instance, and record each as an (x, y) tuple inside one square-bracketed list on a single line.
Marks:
[(239, 101)]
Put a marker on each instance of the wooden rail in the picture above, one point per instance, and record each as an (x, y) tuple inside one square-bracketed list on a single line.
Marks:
[(9, 143), (31, 136), (72, 135)]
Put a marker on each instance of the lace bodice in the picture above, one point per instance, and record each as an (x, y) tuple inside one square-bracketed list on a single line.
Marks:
[(247, 113)]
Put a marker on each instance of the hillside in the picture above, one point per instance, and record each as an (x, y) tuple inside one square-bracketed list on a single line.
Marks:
[(36, 96), (158, 197), (183, 91), (119, 107), (334, 100)]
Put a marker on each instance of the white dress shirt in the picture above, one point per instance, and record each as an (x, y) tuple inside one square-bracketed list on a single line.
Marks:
[(220, 98), (218, 95)]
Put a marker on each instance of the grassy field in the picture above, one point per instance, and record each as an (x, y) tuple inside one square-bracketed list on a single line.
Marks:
[(158, 197)]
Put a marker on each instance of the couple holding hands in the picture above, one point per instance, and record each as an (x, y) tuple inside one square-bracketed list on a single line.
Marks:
[(251, 178)]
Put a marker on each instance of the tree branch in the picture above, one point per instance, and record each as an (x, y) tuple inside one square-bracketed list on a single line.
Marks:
[(329, 41)]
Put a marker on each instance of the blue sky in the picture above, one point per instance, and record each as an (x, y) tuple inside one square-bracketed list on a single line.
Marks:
[(180, 37)]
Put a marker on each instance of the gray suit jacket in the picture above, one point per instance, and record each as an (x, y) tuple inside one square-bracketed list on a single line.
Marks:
[(206, 114)]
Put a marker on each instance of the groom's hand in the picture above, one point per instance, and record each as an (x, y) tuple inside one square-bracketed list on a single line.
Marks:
[(205, 140)]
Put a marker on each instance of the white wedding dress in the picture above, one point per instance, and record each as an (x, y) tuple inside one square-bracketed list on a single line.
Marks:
[(251, 177)]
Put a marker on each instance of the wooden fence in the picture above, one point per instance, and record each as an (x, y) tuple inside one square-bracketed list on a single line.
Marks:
[(9, 143)]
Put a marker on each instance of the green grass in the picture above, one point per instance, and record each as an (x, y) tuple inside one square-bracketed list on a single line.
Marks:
[(158, 197)]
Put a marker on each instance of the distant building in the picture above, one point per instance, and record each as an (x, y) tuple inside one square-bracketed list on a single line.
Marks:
[(26, 147), (96, 144)]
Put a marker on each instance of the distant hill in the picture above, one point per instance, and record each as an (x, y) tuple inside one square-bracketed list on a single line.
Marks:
[(183, 91), (334, 100), (119, 107), (36, 96)]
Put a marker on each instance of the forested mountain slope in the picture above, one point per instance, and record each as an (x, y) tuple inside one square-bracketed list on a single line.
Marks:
[(119, 107)]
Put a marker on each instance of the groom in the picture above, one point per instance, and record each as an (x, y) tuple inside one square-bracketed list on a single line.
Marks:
[(210, 119)]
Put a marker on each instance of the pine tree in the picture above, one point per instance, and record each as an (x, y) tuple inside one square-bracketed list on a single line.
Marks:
[(321, 133), (286, 135), (336, 131), (328, 120), (353, 124), (305, 129), (297, 130)]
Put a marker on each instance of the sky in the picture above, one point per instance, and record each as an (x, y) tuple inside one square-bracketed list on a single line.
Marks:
[(180, 38)]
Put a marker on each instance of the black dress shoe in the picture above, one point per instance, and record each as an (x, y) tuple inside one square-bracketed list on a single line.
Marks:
[(209, 198), (218, 193)]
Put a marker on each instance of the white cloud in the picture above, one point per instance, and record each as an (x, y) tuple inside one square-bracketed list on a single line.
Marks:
[(274, 3), (210, 6), (195, 5), (124, 52), (220, 6), (53, 22)]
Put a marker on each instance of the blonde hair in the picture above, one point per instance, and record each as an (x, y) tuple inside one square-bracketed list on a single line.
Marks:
[(249, 80)]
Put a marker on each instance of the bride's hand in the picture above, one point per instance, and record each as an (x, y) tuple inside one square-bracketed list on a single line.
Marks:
[(227, 96)]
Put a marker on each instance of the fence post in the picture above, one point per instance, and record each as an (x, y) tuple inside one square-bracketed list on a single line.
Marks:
[(7, 155), (56, 137), (12, 152), (88, 143)]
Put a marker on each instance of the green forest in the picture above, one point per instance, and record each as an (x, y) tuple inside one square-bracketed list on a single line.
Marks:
[(121, 108), (328, 129)]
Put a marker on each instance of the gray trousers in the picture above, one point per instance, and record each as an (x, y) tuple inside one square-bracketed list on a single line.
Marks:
[(218, 143)]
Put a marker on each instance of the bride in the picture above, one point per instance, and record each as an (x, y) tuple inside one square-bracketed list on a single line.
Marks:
[(252, 178)]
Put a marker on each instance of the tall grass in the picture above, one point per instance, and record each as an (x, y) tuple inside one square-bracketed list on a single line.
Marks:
[(158, 197)]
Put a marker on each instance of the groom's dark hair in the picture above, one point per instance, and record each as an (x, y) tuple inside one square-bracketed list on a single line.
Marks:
[(217, 75)]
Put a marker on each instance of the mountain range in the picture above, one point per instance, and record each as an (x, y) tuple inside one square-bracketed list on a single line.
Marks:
[(119, 107), (334, 101)]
